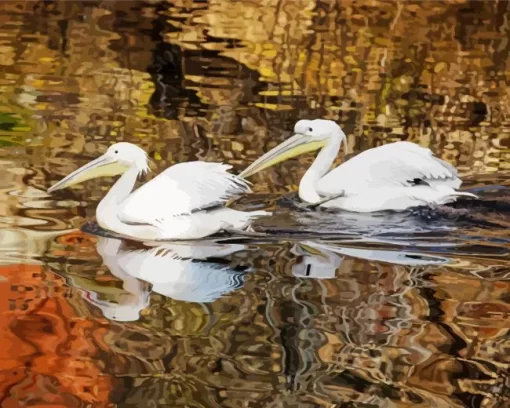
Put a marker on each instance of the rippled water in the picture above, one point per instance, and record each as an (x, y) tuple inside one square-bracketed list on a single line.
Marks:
[(325, 309)]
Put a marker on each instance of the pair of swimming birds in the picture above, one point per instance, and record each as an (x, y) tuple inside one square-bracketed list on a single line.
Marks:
[(188, 200)]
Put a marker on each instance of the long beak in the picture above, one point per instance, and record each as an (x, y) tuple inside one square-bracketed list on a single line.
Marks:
[(294, 146), (103, 166)]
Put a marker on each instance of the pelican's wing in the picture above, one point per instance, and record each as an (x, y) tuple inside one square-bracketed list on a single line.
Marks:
[(181, 190), (392, 165)]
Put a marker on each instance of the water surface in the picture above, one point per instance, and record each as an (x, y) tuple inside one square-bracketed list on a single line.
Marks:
[(327, 309)]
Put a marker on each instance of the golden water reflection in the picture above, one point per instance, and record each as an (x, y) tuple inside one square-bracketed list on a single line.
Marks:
[(280, 323)]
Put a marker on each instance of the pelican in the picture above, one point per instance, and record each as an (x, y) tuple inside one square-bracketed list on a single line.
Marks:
[(396, 176), (186, 201)]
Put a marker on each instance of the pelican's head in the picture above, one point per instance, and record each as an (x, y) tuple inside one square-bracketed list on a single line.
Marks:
[(119, 158), (309, 135)]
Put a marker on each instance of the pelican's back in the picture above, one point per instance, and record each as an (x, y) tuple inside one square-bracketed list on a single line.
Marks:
[(398, 164), (183, 189), (175, 201)]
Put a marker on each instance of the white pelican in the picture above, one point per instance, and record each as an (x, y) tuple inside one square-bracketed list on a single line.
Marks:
[(396, 176), (183, 202)]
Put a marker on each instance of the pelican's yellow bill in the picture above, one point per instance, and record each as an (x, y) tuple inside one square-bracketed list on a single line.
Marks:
[(292, 147), (101, 167)]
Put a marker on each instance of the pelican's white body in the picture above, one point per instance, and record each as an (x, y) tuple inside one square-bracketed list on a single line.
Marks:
[(183, 202), (377, 179), (163, 208)]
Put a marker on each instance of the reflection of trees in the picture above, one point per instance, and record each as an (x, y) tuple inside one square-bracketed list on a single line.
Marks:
[(48, 355), (387, 71), (374, 333)]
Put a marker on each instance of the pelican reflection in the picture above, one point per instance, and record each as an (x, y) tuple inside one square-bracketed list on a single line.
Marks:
[(189, 272), (321, 260)]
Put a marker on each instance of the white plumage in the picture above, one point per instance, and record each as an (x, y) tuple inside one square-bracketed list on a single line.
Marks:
[(386, 177), (186, 201), (396, 176), (391, 165), (181, 190)]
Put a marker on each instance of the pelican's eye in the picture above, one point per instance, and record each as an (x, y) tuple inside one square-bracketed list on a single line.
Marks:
[(310, 129), (116, 151)]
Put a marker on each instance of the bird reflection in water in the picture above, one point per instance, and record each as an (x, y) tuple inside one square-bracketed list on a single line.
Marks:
[(321, 260), (198, 272), (354, 312), (189, 272)]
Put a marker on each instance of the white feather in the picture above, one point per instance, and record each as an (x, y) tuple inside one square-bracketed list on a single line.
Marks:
[(395, 176), (392, 165), (184, 202), (181, 190)]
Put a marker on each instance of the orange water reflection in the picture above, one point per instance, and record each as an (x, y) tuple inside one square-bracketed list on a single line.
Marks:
[(47, 354)]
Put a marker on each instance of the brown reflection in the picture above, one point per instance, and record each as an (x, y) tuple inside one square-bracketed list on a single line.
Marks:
[(311, 325)]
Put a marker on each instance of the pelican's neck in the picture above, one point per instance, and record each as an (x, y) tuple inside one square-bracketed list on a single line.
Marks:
[(123, 187), (106, 212), (308, 185)]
